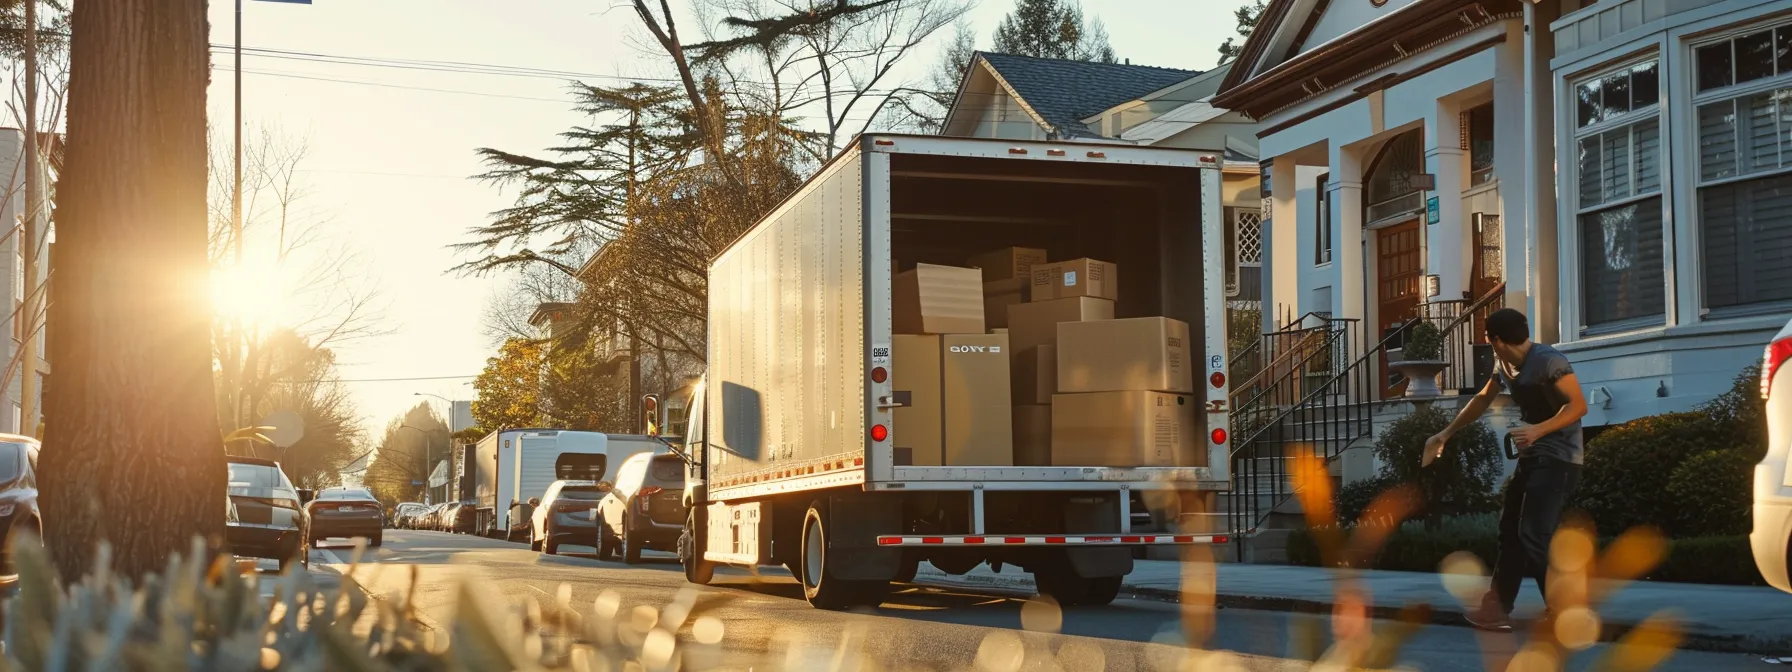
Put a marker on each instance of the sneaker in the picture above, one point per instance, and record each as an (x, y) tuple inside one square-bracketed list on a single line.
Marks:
[(1489, 618)]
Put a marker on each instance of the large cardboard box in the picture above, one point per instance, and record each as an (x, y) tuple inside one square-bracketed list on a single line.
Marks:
[(1142, 353), (1036, 375), (1126, 429), (957, 410), (932, 299), (1008, 263), (1033, 435), (998, 296), (1077, 277), (1035, 323), (916, 427)]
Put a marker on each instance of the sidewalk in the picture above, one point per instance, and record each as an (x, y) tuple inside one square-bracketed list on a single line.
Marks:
[(1715, 618)]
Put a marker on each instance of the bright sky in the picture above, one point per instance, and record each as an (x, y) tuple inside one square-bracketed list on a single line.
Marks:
[(389, 153)]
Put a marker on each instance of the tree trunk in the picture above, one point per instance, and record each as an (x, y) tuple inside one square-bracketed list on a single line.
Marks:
[(32, 241), (132, 453)]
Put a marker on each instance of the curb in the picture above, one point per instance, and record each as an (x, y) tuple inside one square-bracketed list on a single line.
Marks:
[(1613, 631)]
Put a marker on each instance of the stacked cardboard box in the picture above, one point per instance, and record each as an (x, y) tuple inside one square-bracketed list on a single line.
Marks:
[(1007, 274), (1124, 395), (1058, 293), (955, 377)]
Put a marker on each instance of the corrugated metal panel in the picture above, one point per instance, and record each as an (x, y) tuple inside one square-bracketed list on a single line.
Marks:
[(787, 340)]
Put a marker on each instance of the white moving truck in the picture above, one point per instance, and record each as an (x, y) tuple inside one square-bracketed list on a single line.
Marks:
[(514, 465), (788, 441)]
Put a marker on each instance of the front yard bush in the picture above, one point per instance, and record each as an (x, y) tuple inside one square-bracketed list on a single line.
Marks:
[(1459, 483), (1711, 494)]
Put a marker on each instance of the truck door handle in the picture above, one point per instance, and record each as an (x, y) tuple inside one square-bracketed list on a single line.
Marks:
[(897, 399)]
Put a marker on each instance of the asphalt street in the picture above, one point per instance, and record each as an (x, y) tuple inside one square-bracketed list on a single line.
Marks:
[(764, 617)]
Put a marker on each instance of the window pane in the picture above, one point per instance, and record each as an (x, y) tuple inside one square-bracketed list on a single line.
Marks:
[(1783, 49), (1645, 85), (1617, 94), (1615, 163), (1589, 172), (1480, 143), (1783, 101), (1747, 238), (1714, 66), (1648, 156), (1717, 140), (1621, 263), (1760, 145), (1588, 96), (1754, 56)]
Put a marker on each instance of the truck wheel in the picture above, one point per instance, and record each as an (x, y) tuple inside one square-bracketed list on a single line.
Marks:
[(1070, 590), (905, 572), (824, 592), (696, 569)]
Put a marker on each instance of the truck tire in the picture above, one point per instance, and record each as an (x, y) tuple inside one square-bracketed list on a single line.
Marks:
[(824, 592), (1070, 590), (690, 554)]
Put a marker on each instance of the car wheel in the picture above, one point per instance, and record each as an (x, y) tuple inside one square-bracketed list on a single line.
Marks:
[(631, 543)]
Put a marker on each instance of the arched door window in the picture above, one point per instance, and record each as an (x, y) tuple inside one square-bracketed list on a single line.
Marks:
[(1389, 189)]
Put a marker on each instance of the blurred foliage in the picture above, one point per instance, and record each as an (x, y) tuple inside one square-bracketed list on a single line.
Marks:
[(1460, 482), (1354, 498), (1722, 560), (406, 456)]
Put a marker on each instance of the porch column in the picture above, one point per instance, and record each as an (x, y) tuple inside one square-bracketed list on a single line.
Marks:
[(1447, 254), (1541, 289), (1281, 246), (1348, 250)]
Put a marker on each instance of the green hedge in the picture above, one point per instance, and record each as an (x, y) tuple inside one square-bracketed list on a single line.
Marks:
[(1725, 560)]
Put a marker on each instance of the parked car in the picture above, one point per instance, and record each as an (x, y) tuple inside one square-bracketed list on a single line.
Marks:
[(645, 509), (466, 516), (565, 517), (266, 517), (1772, 536), (432, 519), (404, 516), (18, 493), (450, 517), (345, 512)]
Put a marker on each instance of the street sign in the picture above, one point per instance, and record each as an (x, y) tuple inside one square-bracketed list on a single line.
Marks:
[(284, 428), (415, 482), (1431, 215)]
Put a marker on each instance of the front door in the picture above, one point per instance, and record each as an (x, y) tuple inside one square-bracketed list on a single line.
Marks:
[(1397, 281)]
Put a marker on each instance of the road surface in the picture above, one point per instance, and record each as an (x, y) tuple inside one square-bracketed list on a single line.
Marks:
[(926, 626)]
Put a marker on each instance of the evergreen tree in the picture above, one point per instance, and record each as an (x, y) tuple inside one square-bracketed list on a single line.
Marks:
[(1247, 16), (1053, 29)]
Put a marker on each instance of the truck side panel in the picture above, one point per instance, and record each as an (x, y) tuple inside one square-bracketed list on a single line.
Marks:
[(786, 392)]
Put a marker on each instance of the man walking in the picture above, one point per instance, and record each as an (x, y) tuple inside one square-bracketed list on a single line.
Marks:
[(1550, 404)]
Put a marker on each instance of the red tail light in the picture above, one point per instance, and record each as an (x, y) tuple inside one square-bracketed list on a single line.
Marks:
[(1219, 436), (1217, 379), (1777, 353), (650, 491), (879, 375), (879, 433)]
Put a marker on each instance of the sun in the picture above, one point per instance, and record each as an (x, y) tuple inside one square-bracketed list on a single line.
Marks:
[(255, 296)]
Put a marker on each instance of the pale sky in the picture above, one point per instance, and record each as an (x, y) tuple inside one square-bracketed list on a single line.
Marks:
[(389, 154)]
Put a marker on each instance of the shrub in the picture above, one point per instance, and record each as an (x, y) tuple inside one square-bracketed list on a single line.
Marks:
[(1743, 412), (1713, 559), (1625, 481), (1710, 493), (1354, 499), (1424, 342), (1461, 481)]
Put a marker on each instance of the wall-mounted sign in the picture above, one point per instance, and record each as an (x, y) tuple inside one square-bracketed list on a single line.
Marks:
[(1431, 215), (1433, 285)]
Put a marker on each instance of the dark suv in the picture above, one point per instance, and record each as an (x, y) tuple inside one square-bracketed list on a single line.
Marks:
[(645, 509), (266, 518)]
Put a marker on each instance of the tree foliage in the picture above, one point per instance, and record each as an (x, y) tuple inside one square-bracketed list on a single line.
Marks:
[(1247, 15), (325, 410), (509, 389), (407, 452), (1053, 29)]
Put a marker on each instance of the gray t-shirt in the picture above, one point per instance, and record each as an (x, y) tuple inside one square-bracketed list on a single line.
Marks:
[(1533, 388)]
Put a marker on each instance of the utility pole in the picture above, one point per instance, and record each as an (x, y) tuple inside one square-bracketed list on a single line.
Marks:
[(236, 227), (28, 384)]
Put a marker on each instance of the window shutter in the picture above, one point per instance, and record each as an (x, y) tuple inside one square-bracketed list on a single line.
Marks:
[(1747, 229), (1590, 193), (1621, 263), (1760, 136), (1615, 164), (1648, 156), (1717, 140)]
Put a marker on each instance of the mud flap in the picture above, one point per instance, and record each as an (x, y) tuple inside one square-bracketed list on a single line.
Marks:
[(853, 553)]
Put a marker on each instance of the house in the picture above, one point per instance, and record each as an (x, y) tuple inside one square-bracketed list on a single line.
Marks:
[(1026, 98), (13, 210)]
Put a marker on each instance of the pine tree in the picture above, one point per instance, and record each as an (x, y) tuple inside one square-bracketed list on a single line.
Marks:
[(1247, 16), (1053, 29)]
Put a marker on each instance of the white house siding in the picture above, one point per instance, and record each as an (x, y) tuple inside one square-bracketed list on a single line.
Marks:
[(1689, 340), (1342, 142), (998, 115)]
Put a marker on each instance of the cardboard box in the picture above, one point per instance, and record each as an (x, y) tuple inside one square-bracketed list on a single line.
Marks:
[(1077, 277), (998, 296), (1036, 323), (978, 427), (916, 427), (1143, 353), (1035, 373), (957, 411), (933, 299), (1008, 263), (1033, 435), (1126, 429)]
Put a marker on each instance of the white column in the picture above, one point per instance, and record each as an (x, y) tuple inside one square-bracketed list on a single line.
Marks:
[(1447, 253), (1348, 260), (1281, 251), (1539, 291)]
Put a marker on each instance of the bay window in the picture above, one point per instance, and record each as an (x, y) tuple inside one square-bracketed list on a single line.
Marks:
[(1744, 123), (1618, 140)]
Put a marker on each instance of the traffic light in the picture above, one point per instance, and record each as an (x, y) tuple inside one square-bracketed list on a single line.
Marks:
[(650, 414)]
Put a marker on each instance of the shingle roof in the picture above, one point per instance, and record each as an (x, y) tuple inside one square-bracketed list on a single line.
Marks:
[(1066, 92)]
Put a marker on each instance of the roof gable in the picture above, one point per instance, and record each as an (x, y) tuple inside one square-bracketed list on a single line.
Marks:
[(1062, 93)]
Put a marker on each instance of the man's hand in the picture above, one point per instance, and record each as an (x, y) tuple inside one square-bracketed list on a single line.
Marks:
[(1434, 448), (1524, 435)]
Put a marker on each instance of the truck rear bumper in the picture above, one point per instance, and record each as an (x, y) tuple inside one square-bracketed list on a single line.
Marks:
[(1055, 540)]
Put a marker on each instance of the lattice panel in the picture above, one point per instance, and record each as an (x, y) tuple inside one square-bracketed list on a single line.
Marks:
[(1250, 237)]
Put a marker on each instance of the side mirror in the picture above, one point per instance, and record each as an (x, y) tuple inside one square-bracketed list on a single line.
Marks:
[(306, 495)]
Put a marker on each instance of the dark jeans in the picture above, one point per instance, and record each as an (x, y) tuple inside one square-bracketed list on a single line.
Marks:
[(1539, 490)]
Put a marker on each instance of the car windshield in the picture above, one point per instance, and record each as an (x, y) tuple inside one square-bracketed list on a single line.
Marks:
[(582, 492), (11, 456), (666, 470), (345, 493), (255, 476)]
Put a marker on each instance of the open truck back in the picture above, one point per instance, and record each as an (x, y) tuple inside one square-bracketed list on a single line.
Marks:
[(789, 437)]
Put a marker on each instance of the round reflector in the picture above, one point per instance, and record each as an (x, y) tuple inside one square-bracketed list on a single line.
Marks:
[(879, 433), (1219, 436), (879, 375), (1218, 379)]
